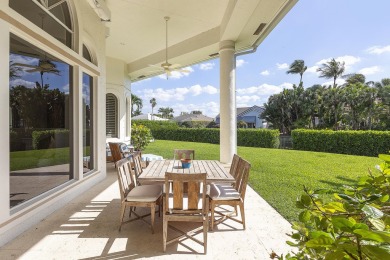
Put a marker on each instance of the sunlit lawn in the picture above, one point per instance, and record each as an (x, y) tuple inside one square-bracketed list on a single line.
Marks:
[(279, 175)]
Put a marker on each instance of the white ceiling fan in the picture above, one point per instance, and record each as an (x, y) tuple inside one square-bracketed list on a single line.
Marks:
[(167, 67), (44, 64)]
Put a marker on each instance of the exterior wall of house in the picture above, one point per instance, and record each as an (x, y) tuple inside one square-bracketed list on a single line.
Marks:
[(118, 84), (91, 31), (255, 114)]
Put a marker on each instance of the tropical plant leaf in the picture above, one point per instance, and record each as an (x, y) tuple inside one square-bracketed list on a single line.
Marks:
[(372, 212), (377, 236), (376, 252)]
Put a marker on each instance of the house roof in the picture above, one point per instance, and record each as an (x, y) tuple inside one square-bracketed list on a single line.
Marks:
[(241, 111), (147, 117), (192, 118), (136, 30)]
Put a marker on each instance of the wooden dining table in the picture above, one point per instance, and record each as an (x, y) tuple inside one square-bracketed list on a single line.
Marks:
[(216, 173)]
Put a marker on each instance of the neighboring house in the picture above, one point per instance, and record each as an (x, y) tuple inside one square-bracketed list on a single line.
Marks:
[(192, 119), (250, 115), (148, 116)]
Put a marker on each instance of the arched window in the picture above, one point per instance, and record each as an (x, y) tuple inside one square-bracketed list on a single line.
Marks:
[(88, 55), (51, 16), (111, 115)]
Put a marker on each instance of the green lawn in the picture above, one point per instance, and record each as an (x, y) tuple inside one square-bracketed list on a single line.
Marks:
[(279, 175)]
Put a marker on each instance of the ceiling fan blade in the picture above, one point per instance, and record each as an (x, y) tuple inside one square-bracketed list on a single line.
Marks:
[(24, 65), (174, 66), (156, 66), (34, 70)]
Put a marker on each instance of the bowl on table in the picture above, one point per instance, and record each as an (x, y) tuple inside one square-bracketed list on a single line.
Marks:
[(185, 163)]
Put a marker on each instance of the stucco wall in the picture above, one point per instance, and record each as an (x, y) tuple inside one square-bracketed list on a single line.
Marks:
[(91, 31)]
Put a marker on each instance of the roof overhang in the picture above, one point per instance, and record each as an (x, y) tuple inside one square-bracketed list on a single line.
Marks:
[(137, 30)]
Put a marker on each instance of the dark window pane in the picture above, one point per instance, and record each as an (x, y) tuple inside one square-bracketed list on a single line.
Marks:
[(87, 123), (39, 16), (40, 120)]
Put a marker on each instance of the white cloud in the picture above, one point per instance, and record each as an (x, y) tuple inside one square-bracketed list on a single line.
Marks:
[(177, 93), (246, 99), (370, 70), (282, 66), (265, 72), (178, 74), (22, 82), (207, 66), (378, 49), (263, 90), (330, 83), (14, 58), (210, 109), (240, 63), (347, 59), (312, 69)]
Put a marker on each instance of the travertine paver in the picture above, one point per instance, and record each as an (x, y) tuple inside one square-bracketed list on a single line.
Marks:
[(87, 228)]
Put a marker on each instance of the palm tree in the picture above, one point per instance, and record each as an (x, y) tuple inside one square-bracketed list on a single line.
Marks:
[(153, 103), (332, 69), (166, 112), (297, 67), (137, 102)]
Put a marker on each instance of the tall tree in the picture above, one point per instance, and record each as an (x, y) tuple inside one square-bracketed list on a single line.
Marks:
[(332, 69), (297, 67), (136, 102), (166, 112), (153, 103)]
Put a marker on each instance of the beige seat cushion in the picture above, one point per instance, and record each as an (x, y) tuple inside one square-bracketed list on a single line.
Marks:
[(223, 192), (145, 193)]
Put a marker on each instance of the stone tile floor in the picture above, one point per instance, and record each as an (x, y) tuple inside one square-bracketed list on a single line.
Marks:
[(87, 228)]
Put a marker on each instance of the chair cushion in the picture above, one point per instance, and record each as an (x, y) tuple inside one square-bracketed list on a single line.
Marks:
[(223, 192), (145, 193)]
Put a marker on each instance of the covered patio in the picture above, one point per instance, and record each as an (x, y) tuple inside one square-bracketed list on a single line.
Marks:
[(84, 56), (87, 228)]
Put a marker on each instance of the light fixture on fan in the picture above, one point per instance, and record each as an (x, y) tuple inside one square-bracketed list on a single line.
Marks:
[(167, 67)]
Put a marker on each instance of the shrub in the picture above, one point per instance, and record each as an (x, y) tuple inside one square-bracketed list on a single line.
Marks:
[(156, 124), (258, 138), (45, 139), (245, 137), (368, 143), (355, 224), (140, 136)]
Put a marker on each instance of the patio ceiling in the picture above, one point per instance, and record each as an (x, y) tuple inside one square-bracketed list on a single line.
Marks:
[(137, 29)]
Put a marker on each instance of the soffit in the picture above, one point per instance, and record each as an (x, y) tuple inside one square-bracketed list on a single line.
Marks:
[(195, 28)]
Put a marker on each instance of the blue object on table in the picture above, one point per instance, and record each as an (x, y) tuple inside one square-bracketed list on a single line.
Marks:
[(185, 163)]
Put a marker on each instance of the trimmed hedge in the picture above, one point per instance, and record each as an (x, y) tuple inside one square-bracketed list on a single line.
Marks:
[(155, 124), (57, 138), (245, 137), (368, 143)]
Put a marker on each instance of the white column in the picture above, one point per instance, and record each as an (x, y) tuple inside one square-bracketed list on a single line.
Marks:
[(228, 118)]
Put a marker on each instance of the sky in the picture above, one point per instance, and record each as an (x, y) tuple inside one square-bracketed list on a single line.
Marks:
[(354, 31)]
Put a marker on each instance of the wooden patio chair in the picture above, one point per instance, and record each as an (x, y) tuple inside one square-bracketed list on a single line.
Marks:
[(116, 152), (222, 194), (183, 154), (136, 196), (190, 206)]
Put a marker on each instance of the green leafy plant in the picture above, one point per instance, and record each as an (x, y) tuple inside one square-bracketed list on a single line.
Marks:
[(140, 136), (352, 224), (368, 143)]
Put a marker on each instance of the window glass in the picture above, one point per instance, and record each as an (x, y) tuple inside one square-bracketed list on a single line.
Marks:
[(52, 16), (87, 123), (40, 121), (86, 54)]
